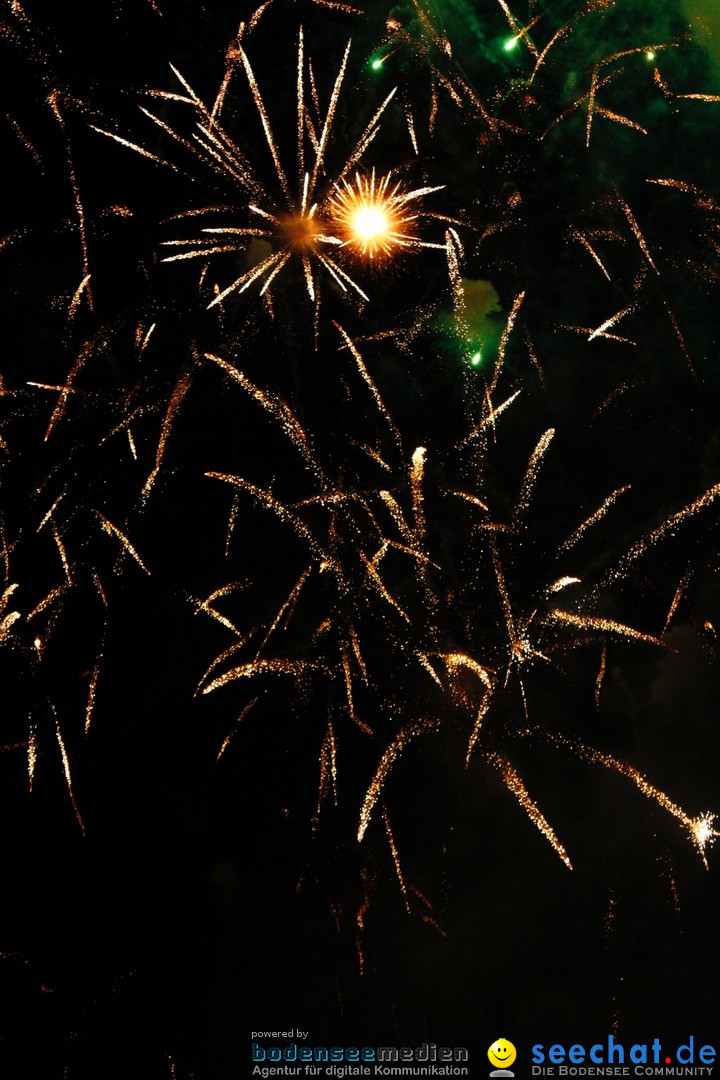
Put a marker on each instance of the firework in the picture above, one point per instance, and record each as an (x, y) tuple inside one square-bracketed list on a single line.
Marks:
[(425, 537), (363, 218), (375, 219), (469, 682)]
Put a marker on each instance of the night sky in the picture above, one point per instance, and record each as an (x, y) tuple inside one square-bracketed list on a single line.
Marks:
[(322, 708)]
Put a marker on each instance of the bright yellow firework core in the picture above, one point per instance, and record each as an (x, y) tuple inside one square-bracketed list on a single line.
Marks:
[(374, 218), (370, 225), (371, 217)]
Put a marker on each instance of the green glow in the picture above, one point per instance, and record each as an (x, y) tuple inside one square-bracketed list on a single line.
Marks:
[(511, 44), (376, 64), (650, 55), (476, 358)]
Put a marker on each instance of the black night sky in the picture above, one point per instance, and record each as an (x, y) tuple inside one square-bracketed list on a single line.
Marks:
[(322, 708)]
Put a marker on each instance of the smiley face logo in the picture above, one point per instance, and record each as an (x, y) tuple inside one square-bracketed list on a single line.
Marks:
[(502, 1053)]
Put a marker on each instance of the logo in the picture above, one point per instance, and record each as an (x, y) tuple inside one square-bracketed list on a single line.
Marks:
[(501, 1054)]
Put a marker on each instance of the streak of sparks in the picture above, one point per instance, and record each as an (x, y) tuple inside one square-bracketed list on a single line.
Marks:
[(381, 587), (67, 771), (666, 871), (610, 915), (328, 767), (595, 622), (63, 553), (600, 676), (396, 858), (456, 661), (677, 597), (515, 643), (112, 530), (505, 336), (368, 380), (53, 101), (176, 398), (32, 753), (588, 247), (472, 499), (563, 583), (91, 695), (596, 516), (680, 338), (416, 482), (489, 418), (701, 827), (641, 546), (515, 785), (285, 609), (400, 743), (531, 472), (259, 667), (591, 103), (599, 331), (206, 606), (228, 738), (273, 405), (481, 714), (265, 499), (638, 234)]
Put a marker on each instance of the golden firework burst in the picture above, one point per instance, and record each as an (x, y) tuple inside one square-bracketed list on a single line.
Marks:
[(374, 218), (369, 218)]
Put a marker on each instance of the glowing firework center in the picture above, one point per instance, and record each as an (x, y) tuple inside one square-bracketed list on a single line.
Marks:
[(373, 219), (370, 225)]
